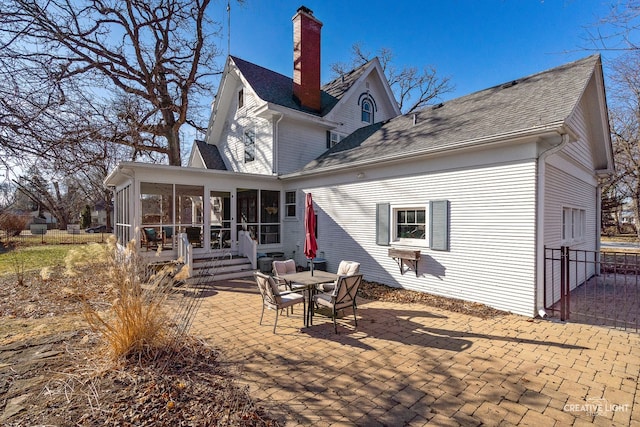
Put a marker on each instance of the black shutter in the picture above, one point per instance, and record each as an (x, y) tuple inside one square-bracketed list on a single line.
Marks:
[(328, 139), (383, 212), (439, 225)]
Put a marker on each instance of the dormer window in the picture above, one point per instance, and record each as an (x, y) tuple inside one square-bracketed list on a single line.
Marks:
[(367, 107), (240, 98)]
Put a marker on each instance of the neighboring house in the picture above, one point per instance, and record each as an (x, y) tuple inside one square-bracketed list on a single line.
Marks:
[(478, 185), (99, 214)]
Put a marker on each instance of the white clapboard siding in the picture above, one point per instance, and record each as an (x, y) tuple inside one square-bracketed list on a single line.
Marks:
[(348, 112), (564, 190), (231, 142), (298, 144), (580, 150), (492, 232)]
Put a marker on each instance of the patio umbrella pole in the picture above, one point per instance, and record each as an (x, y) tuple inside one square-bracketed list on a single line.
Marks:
[(310, 244)]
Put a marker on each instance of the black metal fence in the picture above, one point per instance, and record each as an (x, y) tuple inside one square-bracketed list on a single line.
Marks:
[(52, 237), (601, 288)]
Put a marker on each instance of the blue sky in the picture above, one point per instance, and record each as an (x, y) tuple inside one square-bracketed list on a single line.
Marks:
[(477, 43)]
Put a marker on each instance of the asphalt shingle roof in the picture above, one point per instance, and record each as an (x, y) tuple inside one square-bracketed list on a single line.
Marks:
[(211, 156), (537, 101), (278, 89)]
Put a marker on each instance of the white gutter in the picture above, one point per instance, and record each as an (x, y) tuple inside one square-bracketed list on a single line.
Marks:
[(554, 129), (540, 198)]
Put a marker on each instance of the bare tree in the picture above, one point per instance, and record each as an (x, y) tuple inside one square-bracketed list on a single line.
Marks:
[(63, 199), (120, 71), (413, 88), (625, 129), (619, 30)]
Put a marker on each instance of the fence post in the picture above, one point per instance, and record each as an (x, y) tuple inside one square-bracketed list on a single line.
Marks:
[(564, 283)]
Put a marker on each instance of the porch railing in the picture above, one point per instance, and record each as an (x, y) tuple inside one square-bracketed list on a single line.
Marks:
[(248, 247), (185, 251)]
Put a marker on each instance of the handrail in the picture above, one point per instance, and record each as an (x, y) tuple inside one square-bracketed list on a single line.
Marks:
[(248, 247), (185, 251)]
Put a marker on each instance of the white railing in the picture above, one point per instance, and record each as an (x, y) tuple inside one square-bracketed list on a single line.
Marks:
[(185, 251), (248, 247)]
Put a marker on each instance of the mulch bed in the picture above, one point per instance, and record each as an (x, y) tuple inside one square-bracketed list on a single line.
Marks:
[(379, 292)]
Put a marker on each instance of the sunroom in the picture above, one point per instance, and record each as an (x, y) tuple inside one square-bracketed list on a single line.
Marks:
[(207, 212)]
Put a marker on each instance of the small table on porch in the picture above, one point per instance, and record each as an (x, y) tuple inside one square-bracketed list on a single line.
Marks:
[(305, 281)]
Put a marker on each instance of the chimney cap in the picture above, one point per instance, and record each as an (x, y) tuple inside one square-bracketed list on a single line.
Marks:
[(305, 9)]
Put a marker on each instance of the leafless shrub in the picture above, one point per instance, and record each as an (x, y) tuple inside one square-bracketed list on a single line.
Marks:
[(137, 321), (13, 224)]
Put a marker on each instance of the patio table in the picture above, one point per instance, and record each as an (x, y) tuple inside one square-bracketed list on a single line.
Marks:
[(307, 282)]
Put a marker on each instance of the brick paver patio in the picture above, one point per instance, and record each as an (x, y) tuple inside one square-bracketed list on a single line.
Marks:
[(410, 364)]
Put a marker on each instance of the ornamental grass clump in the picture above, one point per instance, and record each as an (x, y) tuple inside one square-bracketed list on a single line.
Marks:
[(18, 264), (137, 321)]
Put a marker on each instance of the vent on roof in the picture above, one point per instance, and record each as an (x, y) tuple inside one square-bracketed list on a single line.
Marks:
[(435, 107), (510, 84)]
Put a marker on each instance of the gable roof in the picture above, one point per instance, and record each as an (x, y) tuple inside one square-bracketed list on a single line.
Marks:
[(210, 155), (278, 89), (539, 102)]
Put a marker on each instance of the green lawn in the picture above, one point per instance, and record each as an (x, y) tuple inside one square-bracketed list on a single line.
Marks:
[(35, 257)]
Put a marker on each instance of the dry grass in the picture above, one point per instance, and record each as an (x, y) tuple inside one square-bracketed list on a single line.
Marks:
[(136, 366), (137, 320)]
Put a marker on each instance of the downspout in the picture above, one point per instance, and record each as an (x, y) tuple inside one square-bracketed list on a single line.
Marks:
[(276, 138), (540, 194)]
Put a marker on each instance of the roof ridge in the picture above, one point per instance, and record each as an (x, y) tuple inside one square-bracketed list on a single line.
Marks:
[(509, 83)]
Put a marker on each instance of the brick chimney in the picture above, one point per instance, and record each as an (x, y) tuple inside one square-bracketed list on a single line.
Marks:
[(306, 59)]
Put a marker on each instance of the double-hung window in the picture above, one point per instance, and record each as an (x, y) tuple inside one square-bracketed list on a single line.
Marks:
[(414, 225), (573, 225), (290, 204), (410, 224), (367, 111), (249, 145), (333, 138), (240, 99)]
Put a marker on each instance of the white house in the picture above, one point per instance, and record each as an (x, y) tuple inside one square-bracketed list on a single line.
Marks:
[(478, 185)]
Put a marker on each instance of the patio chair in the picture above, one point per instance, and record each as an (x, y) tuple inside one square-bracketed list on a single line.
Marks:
[(168, 234), (343, 296), (150, 237), (193, 235), (281, 269), (274, 298), (346, 268)]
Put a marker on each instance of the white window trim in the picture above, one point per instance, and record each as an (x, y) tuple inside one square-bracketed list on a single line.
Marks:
[(397, 241), (286, 205), (240, 94), (369, 111), (574, 225), (335, 138), (246, 132)]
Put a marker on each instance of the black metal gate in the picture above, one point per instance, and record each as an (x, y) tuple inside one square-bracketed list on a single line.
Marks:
[(601, 288)]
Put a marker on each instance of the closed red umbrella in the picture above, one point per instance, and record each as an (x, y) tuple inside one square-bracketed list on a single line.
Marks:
[(310, 244)]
